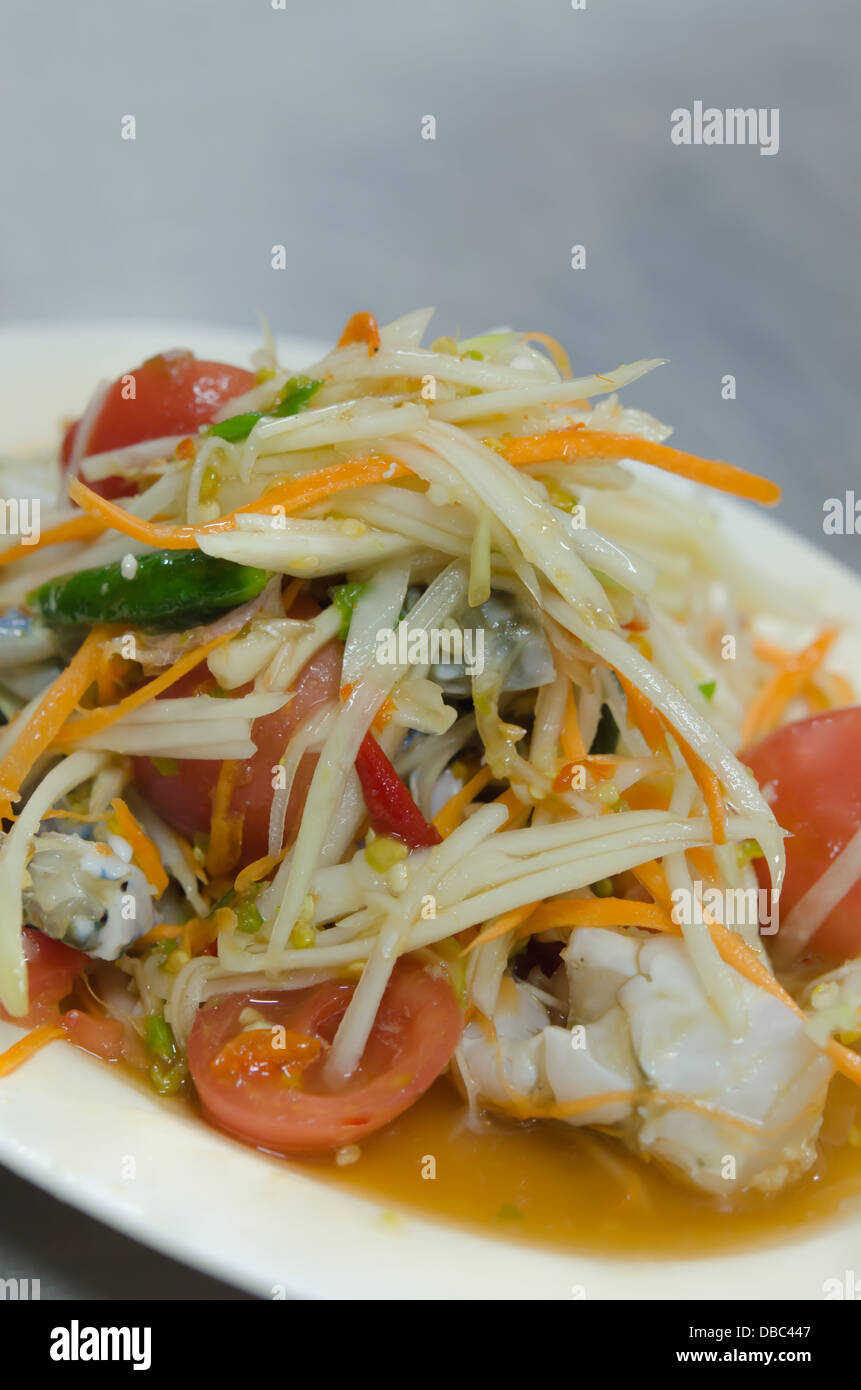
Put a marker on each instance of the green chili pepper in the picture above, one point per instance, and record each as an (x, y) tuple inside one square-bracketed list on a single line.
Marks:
[(168, 1069), (167, 1080), (248, 917), (237, 427), (297, 392), (158, 1037), (170, 590), (345, 597)]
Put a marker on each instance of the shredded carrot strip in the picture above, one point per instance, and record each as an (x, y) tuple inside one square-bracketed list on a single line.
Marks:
[(225, 827), (260, 869), (77, 528), (766, 708), (569, 1108), (106, 686), (290, 496), (170, 931), (644, 716), (117, 519), (816, 699), (290, 594), (194, 935), (597, 912), (383, 715), (200, 932), (652, 877), (26, 1047), (189, 856), (163, 931), (737, 953), (835, 689), (712, 792), (187, 934), (579, 442), (110, 678), (506, 923), (770, 651), (571, 739), (653, 726), (514, 806), (145, 853), (845, 1060), (361, 328), (602, 766), (703, 861), (828, 690), (564, 777), (449, 816), (709, 784), (637, 639), (557, 353), (97, 720), (47, 720), (646, 1095)]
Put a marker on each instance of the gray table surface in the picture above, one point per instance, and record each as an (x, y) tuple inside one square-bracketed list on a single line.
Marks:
[(301, 126)]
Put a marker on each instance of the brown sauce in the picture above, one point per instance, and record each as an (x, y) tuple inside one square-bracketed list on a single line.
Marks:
[(550, 1184)]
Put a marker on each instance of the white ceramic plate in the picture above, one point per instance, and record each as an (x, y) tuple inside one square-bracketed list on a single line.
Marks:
[(89, 1136)]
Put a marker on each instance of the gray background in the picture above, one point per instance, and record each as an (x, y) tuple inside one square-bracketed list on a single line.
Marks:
[(257, 126)]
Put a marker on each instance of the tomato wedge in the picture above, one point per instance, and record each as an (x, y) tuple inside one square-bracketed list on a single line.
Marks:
[(174, 393), (184, 797), (292, 1110), (810, 772), (103, 1037), (52, 968)]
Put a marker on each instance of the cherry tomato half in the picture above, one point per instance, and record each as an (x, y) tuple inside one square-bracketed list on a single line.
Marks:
[(810, 772), (103, 1037), (417, 1029), (174, 393), (184, 799)]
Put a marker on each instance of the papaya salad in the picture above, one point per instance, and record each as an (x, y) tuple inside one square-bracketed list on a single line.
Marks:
[(386, 718)]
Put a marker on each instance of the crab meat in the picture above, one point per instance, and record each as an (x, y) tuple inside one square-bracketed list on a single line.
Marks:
[(87, 893), (720, 1111)]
